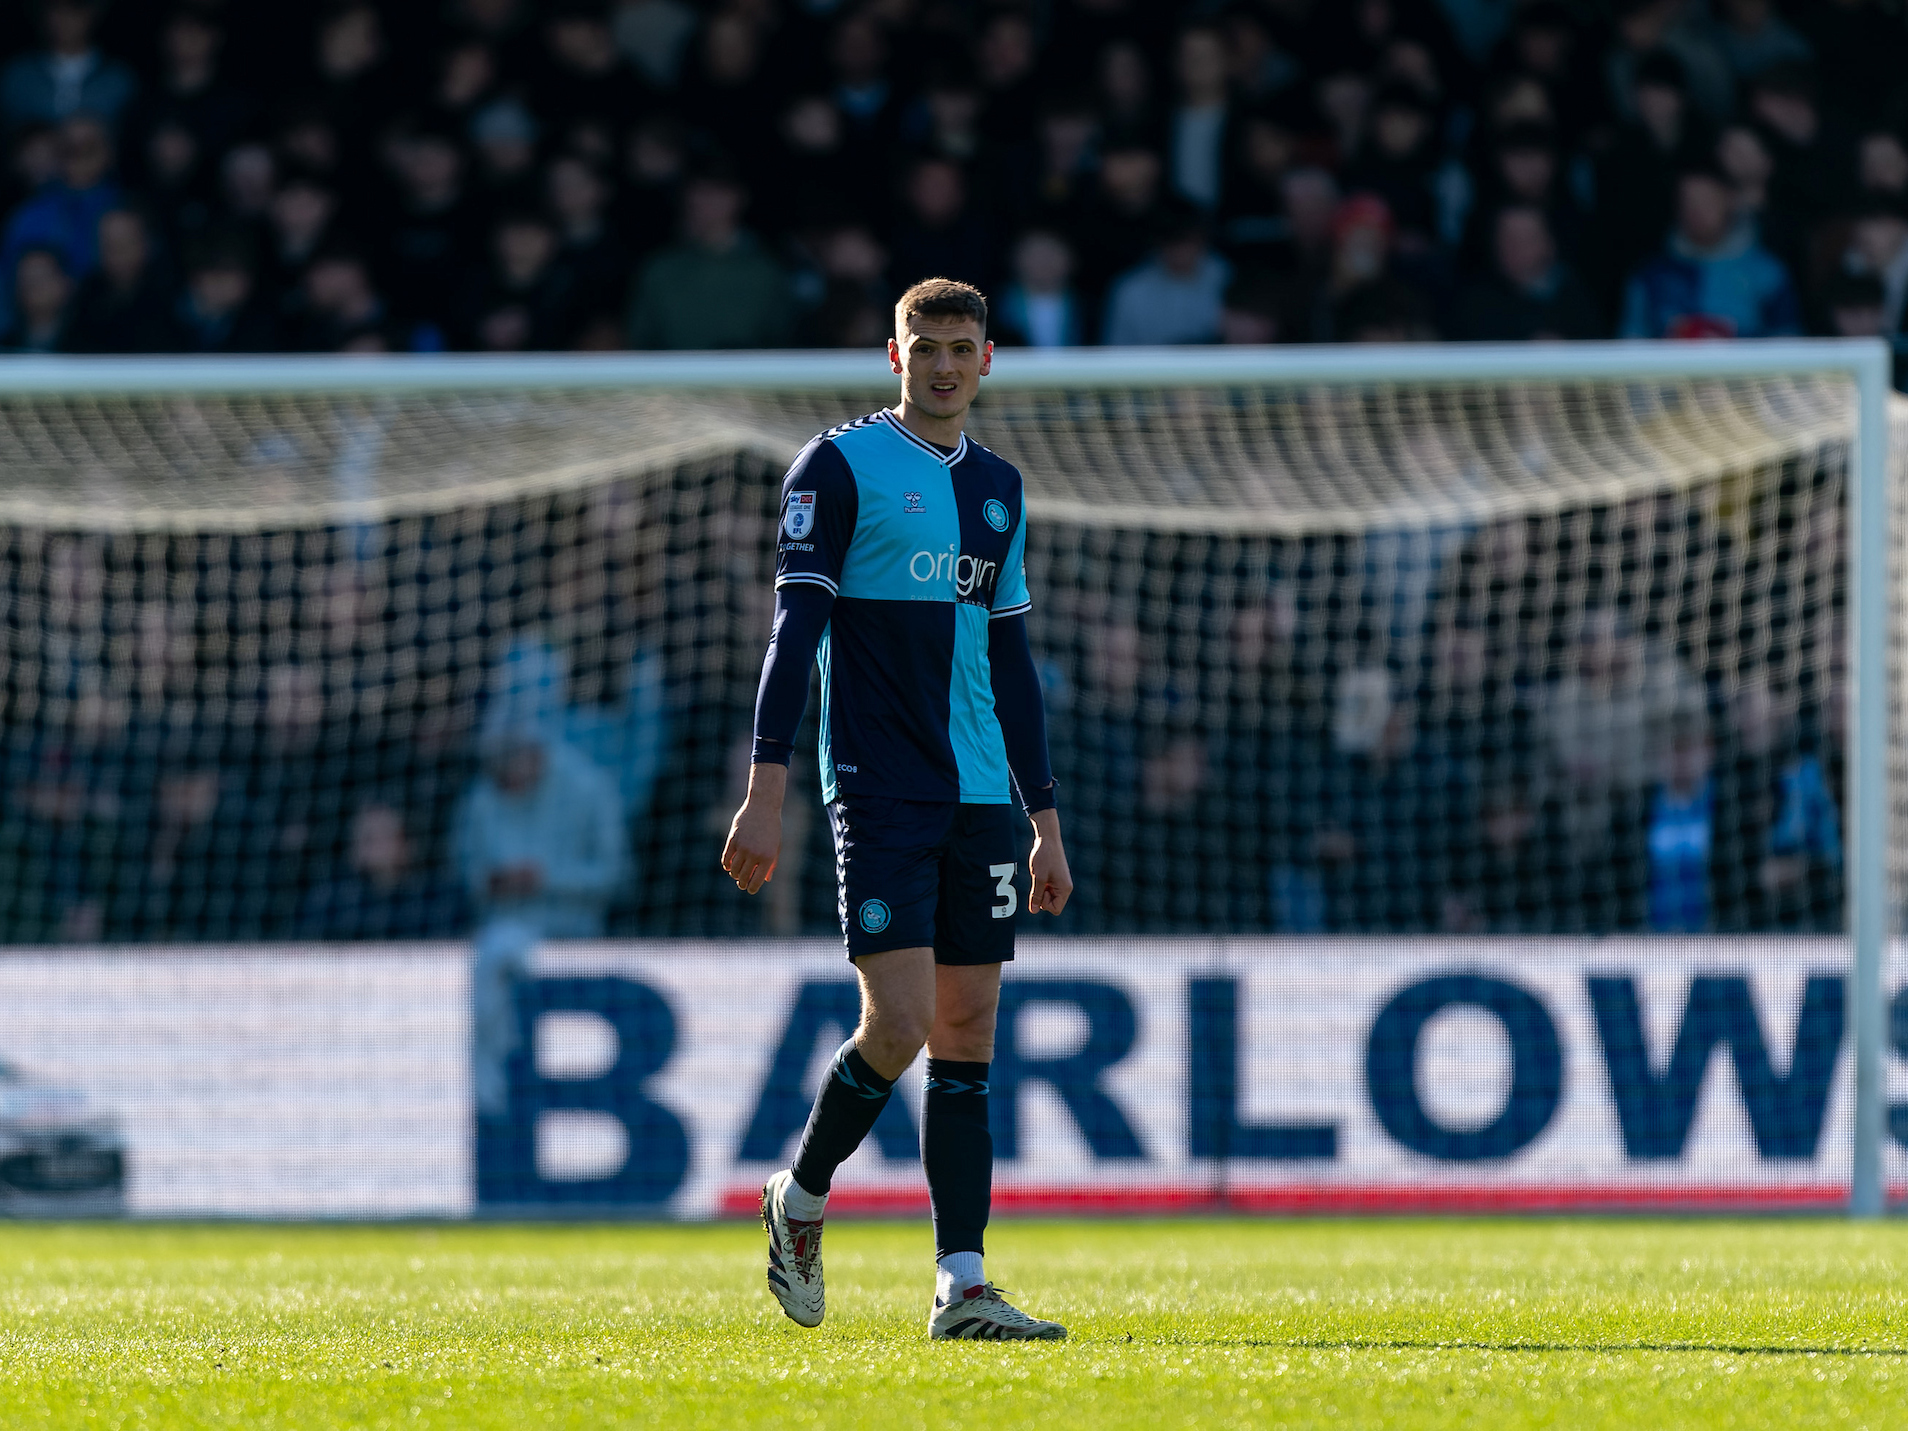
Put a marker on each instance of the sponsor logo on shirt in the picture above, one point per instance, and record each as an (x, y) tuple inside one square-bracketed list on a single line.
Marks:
[(995, 511), (911, 502), (798, 519), (974, 578)]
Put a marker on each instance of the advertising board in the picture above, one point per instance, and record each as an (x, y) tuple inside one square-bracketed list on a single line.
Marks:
[(1143, 1076)]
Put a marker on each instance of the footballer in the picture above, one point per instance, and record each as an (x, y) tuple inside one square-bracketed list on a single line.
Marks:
[(900, 570)]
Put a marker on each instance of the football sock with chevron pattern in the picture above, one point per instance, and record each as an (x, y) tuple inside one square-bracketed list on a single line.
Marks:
[(958, 1152), (851, 1098)]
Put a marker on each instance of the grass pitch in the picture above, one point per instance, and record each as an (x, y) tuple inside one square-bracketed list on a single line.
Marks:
[(1353, 1324)]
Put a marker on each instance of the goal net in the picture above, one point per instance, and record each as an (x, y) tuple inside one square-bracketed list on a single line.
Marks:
[(1492, 665)]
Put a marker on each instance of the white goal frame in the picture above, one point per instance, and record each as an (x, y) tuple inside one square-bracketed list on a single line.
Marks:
[(1867, 362)]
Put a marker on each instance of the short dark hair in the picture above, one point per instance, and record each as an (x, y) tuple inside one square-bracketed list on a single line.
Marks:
[(941, 298)]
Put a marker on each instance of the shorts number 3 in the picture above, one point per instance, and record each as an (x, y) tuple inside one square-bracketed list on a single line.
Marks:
[(1004, 887)]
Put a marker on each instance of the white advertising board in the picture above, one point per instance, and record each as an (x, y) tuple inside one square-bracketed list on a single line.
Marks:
[(1134, 1076)]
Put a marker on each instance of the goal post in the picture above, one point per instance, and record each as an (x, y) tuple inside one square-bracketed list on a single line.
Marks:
[(1125, 446)]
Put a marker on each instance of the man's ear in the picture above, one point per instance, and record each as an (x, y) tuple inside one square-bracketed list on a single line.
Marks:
[(987, 357), (894, 355)]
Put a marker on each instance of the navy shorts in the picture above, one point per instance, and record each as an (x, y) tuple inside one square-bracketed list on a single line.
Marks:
[(915, 874)]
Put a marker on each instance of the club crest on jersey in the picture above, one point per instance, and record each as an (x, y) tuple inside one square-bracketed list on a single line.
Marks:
[(911, 502), (799, 520), (995, 511)]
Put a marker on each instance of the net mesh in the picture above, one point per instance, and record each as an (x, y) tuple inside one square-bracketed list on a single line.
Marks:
[(1520, 660), (1398, 658)]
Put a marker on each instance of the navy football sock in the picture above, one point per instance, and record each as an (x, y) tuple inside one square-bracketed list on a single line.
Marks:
[(851, 1098), (958, 1153)]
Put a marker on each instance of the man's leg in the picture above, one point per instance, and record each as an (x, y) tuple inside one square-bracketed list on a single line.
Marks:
[(956, 1148), (897, 1010)]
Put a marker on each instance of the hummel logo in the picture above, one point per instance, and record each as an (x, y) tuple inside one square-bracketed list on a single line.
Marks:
[(911, 502)]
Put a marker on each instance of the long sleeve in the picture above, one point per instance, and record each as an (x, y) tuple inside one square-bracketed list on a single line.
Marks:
[(802, 610), (1021, 711)]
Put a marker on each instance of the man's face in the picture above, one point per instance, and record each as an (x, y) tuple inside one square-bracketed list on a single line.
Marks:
[(1704, 211), (941, 361)]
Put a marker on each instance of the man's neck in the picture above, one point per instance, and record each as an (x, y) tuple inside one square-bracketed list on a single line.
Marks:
[(941, 431)]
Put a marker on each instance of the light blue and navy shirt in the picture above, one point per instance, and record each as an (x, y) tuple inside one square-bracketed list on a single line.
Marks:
[(921, 548)]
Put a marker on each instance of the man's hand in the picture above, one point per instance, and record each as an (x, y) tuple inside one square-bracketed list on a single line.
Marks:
[(755, 835), (1051, 881)]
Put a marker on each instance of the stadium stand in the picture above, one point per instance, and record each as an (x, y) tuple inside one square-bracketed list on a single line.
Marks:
[(583, 174)]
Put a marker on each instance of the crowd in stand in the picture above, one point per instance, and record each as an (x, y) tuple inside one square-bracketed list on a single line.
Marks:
[(207, 176)]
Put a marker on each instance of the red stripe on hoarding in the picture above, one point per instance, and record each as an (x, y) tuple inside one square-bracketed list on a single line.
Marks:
[(1296, 1198)]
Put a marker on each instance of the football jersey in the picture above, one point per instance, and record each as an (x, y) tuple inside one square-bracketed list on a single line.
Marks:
[(922, 548)]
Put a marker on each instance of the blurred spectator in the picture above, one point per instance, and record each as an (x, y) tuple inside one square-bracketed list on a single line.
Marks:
[(541, 850), (1253, 224), (429, 240), (1004, 62), (1398, 162), (1680, 831), (192, 94), (42, 290), (383, 894), (655, 166), (1252, 309), (1361, 297), (858, 55), (1040, 308), (654, 35), (1881, 166), (941, 234), (1713, 280), (1745, 158), (523, 302), (1528, 293), (64, 215), (1636, 180), (1754, 38), (1174, 297), (1856, 306), (582, 86), (594, 258), (1123, 216), (1526, 169), (812, 181), (1678, 29), (357, 85), (337, 306), (854, 310), (1063, 179), (70, 76), (303, 220), (725, 86), (1813, 154), (503, 136), (1126, 92), (1878, 246), (122, 306), (1546, 43), (1199, 132), (218, 313), (717, 288)]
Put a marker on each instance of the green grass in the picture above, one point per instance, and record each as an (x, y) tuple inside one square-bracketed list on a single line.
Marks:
[(1405, 1324)]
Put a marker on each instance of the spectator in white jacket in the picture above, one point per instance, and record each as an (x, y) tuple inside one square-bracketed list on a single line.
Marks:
[(540, 846)]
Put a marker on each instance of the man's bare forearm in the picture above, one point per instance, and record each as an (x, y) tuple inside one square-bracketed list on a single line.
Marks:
[(768, 785)]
